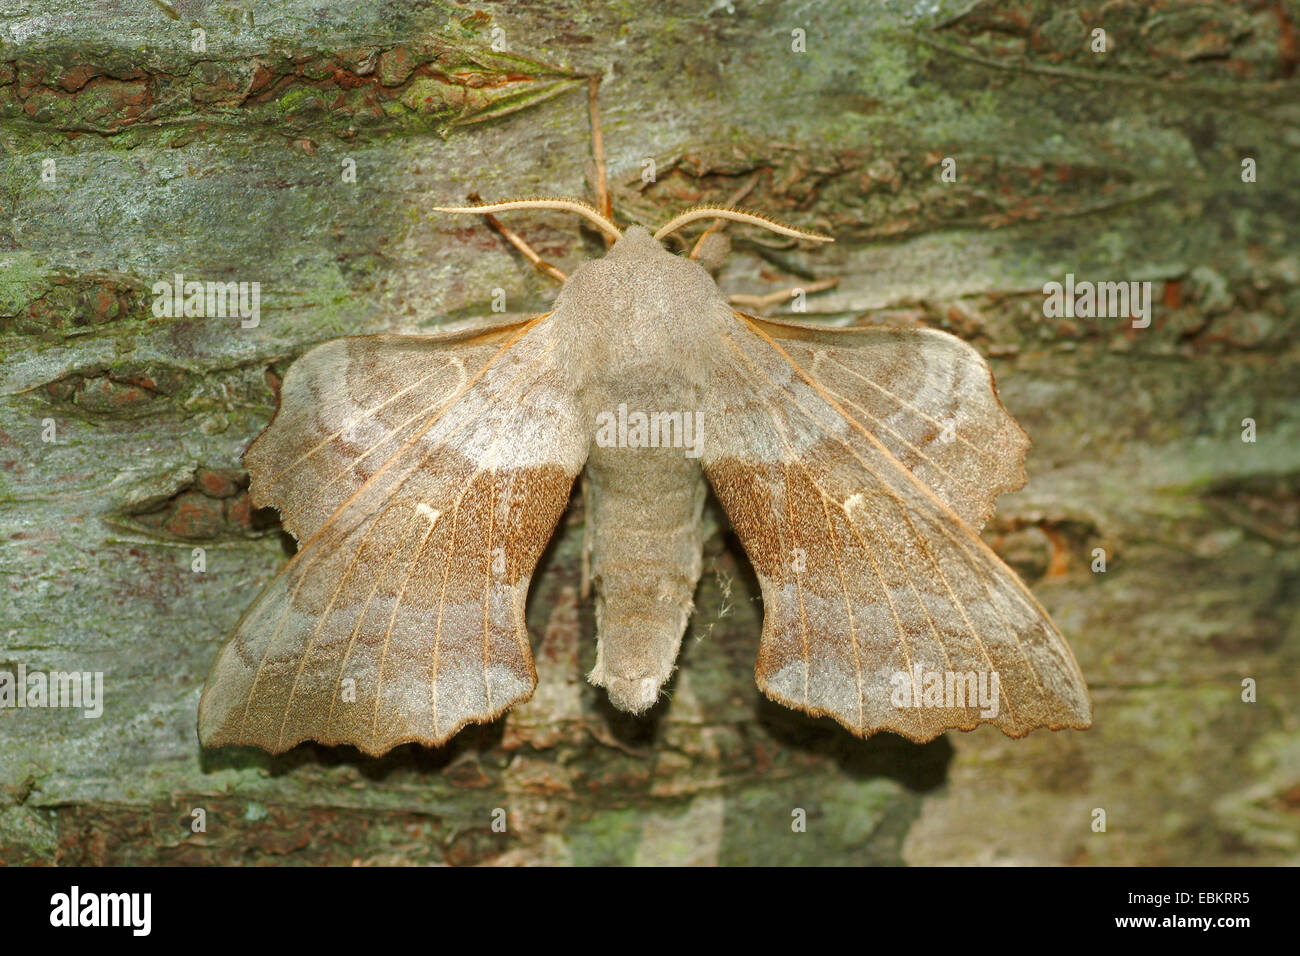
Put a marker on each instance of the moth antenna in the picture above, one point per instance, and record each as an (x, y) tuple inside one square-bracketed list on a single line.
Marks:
[(565, 205), (736, 215), (718, 225)]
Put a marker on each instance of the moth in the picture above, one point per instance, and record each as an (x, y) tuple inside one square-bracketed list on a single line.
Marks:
[(424, 474)]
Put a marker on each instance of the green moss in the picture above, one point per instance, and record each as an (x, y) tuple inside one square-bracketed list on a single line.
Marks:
[(22, 279)]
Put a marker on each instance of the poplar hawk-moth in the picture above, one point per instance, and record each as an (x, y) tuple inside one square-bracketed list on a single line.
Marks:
[(424, 474)]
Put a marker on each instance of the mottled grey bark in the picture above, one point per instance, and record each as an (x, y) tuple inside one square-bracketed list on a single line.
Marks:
[(129, 156)]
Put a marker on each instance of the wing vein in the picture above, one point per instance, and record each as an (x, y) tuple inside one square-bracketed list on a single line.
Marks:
[(902, 470), (913, 408), (392, 499), (902, 506)]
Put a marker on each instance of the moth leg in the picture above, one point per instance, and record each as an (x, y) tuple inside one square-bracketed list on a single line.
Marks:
[(762, 302), (702, 244), (516, 240), (601, 184)]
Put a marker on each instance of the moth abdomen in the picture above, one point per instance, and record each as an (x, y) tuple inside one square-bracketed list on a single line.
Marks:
[(643, 509)]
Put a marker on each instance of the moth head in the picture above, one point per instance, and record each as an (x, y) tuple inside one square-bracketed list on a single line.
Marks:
[(710, 249)]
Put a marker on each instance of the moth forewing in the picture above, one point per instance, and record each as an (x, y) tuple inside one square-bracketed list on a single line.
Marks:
[(347, 405), (401, 618), (927, 396), (882, 606)]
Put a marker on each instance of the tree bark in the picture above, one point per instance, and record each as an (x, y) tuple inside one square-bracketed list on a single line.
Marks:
[(962, 157)]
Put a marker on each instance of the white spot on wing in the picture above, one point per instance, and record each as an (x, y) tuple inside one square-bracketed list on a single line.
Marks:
[(854, 501)]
